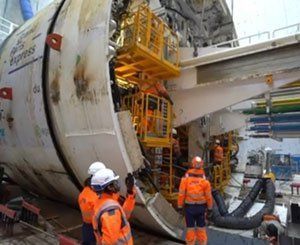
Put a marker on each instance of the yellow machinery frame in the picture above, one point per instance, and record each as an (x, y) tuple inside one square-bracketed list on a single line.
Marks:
[(148, 53), (148, 46), (159, 133), (153, 130), (222, 173)]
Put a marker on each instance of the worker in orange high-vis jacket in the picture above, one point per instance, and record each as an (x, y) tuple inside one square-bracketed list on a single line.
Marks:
[(86, 200), (157, 89), (195, 198), (218, 153), (197, 167), (110, 220)]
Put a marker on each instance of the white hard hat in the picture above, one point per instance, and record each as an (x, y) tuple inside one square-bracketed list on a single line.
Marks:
[(217, 141), (103, 178), (197, 162), (95, 167), (174, 131)]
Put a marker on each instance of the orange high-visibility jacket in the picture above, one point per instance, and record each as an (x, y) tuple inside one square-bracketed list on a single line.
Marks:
[(218, 154), (269, 217), (86, 201), (156, 89), (110, 220), (194, 189), (196, 172), (128, 204), (147, 122)]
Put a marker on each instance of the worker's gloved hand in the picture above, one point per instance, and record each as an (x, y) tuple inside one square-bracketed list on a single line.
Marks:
[(129, 181), (209, 214)]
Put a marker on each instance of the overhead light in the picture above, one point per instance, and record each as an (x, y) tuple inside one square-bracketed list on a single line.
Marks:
[(123, 83)]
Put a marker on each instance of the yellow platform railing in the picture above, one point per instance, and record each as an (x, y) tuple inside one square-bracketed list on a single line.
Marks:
[(147, 45), (151, 118), (222, 172)]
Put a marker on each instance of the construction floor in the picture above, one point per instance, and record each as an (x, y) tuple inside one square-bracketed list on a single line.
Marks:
[(27, 236), (58, 218)]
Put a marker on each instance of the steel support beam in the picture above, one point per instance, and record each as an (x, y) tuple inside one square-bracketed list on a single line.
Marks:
[(218, 80)]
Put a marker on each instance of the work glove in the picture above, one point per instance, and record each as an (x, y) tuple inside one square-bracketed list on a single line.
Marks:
[(129, 181), (209, 214)]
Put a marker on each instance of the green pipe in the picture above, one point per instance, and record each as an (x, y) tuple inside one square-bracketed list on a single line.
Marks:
[(281, 102), (274, 110)]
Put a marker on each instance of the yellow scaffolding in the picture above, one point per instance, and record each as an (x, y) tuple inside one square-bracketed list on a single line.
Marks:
[(222, 173), (148, 47), (217, 178), (151, 118), (226, 172), (149, 53)]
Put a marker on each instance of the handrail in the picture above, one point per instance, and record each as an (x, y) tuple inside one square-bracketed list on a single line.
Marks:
[(269, 34), (285, 28), (7, 24), (143, 27), (6, 28), (151, 116), (250, 37)]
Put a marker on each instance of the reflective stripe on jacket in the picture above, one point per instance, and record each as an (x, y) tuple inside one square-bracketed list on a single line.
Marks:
[(218, 154), (194, 189), (110, 219), (86, 201)]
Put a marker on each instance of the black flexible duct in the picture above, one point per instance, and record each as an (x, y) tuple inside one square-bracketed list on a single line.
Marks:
[(252, 222), (247, 203), (220, 203), (244, 207)]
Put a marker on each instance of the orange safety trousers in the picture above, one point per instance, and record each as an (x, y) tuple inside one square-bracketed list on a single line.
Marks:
[(195, 223), (196, 234), (86, 201), (110, 223)]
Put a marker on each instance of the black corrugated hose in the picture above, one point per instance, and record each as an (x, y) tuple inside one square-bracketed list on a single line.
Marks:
[(244, 207), (239, 222)]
